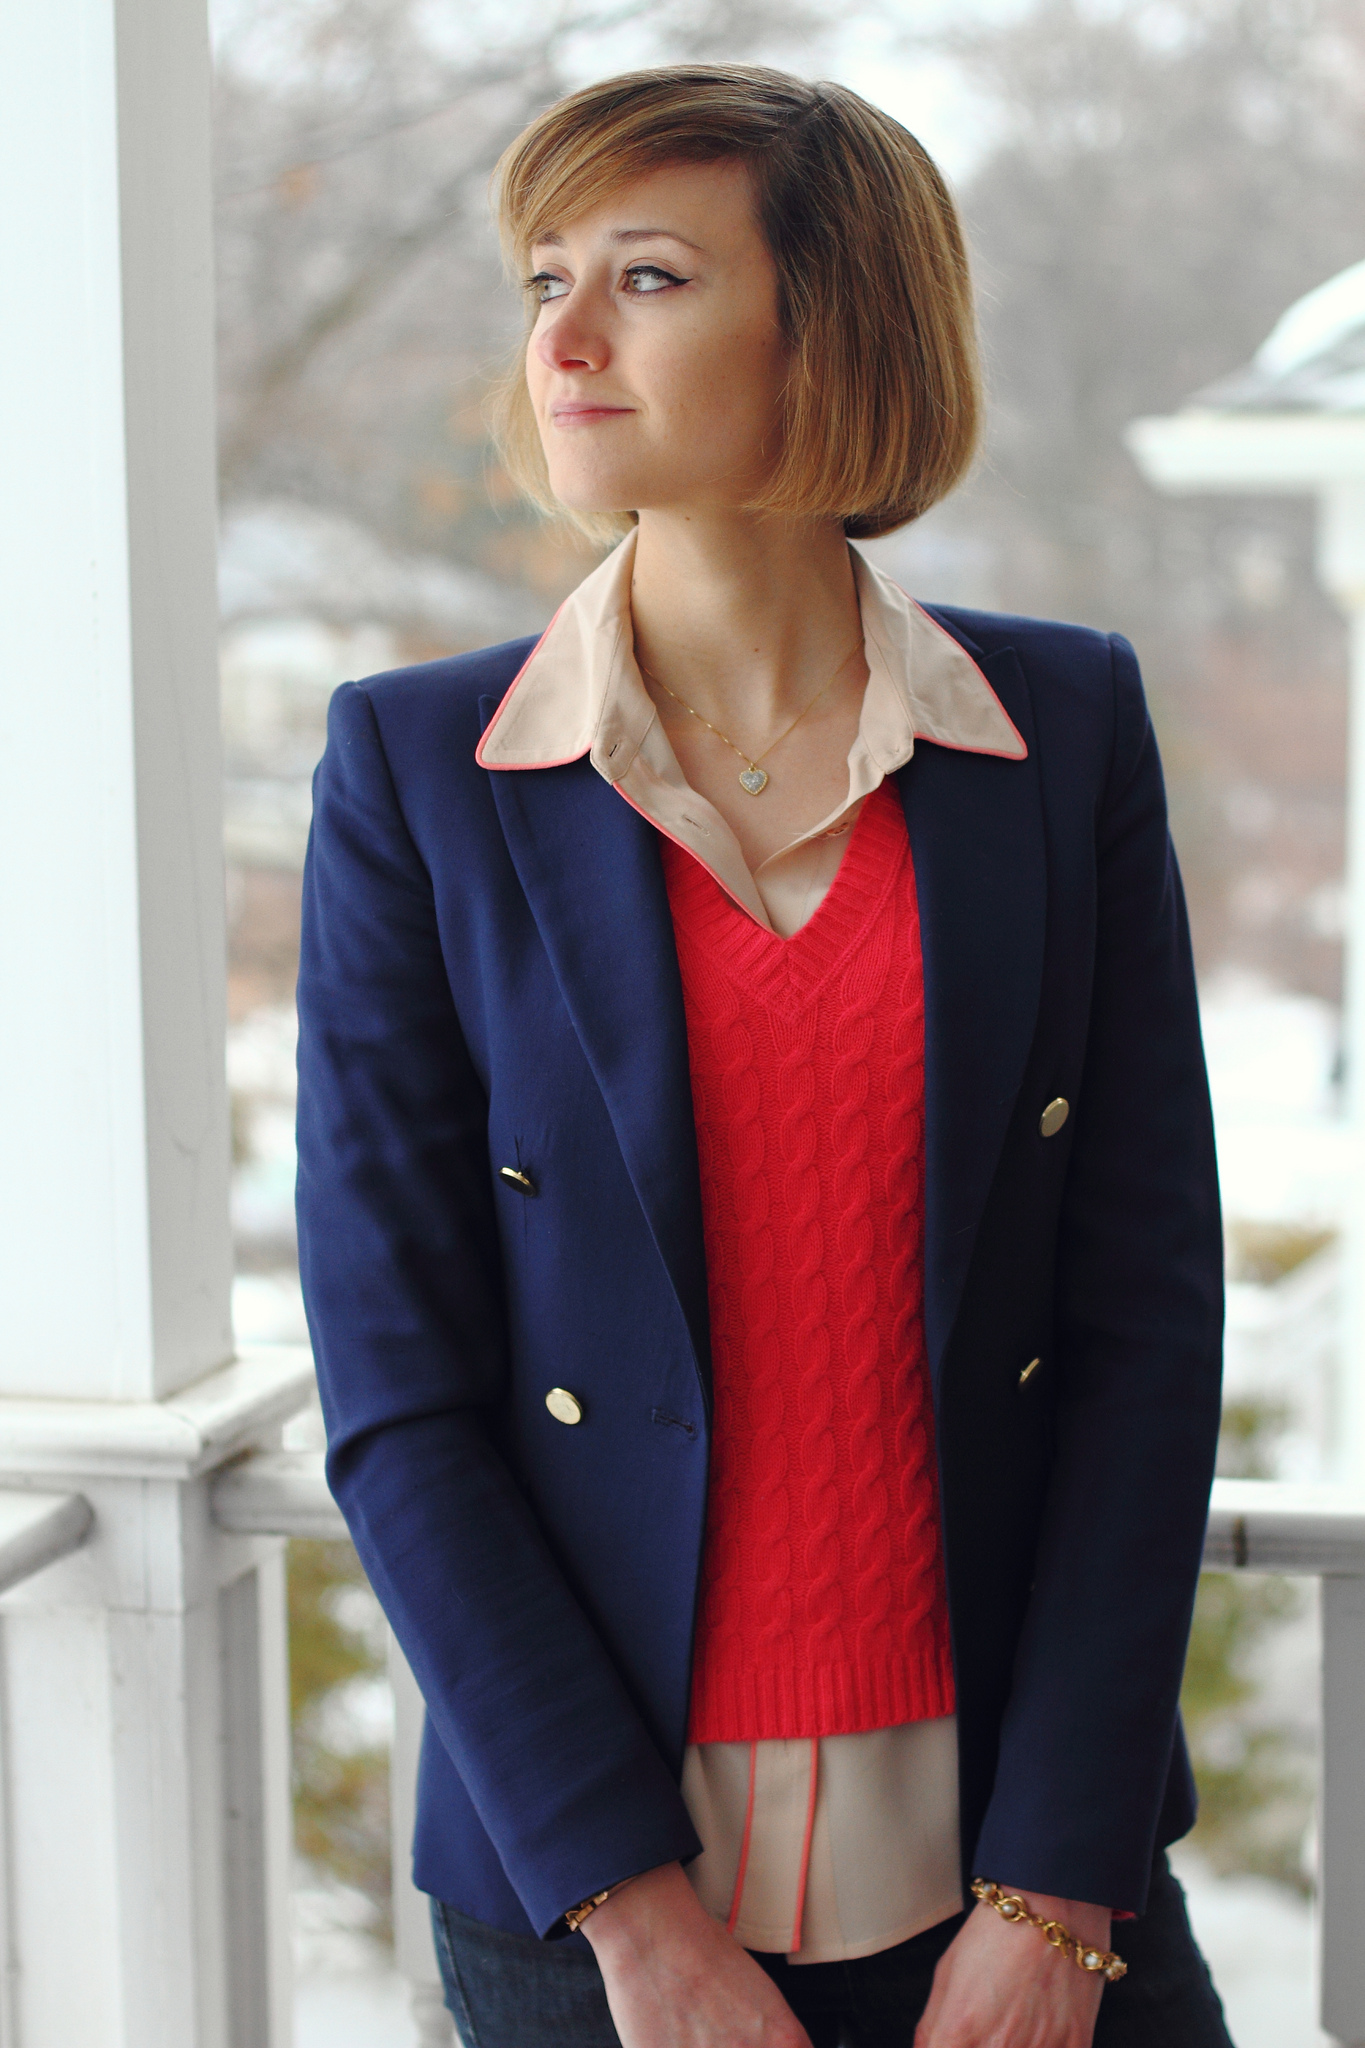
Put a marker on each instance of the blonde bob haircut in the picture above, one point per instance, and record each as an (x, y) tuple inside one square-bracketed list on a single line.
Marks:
[(883, 402)]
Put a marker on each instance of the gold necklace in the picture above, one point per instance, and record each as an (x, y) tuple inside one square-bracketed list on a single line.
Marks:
[(751, 777)]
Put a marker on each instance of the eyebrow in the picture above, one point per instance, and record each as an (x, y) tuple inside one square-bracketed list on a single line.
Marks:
[(555, 241)]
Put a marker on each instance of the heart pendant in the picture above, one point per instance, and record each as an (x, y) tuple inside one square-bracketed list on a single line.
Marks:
[(754, 780)]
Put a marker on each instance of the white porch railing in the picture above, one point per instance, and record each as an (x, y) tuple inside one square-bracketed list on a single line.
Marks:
[(144, 1719), (184, 1769), (284, 1493), (1319, 1532)]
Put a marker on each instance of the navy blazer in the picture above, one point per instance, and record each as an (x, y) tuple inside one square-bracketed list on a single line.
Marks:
[(488, 978)]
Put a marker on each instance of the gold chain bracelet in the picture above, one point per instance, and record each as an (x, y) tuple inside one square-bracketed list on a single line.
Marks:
[(1009, 1905), (576, 1915)]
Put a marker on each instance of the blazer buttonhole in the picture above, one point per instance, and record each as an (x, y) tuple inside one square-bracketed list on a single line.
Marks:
[(662, 1416)]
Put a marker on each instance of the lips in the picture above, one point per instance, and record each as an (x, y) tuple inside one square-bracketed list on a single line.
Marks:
[(578, 415)]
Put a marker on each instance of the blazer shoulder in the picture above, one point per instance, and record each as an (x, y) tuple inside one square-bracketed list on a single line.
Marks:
[(1078, 678), (434, 691), (427, 718), (1084, 691), (1042, 645), (416, 730)]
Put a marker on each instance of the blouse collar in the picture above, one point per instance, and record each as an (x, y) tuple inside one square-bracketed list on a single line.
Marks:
[(579, 690)]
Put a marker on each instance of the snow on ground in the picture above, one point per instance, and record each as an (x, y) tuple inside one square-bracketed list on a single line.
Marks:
[(1283, 1152), (347, 1993), (360, 2009), (1259, 1942)]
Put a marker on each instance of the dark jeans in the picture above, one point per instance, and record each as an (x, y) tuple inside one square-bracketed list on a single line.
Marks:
[(511, 1991)]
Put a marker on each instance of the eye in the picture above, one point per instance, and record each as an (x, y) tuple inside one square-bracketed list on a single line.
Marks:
[(545, 286), (642, 280)]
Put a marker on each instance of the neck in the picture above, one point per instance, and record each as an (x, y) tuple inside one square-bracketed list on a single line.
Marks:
[(743, 617)]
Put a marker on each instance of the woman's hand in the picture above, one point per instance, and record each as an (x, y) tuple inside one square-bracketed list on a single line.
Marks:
[(676, 1979), (1000, 1985)]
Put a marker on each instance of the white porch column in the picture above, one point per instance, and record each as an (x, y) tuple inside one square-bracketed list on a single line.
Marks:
[(143, 1768), (114, 1250)]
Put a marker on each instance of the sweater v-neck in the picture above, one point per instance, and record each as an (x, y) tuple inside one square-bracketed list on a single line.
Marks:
[(789, 973)]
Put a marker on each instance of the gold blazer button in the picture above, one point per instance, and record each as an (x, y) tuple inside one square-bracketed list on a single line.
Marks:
[(1029, 1370), (564, 1406), (1049, 1123), (522, 1182)]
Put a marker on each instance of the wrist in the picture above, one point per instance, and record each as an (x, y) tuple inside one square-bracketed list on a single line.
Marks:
[(629, 1917)]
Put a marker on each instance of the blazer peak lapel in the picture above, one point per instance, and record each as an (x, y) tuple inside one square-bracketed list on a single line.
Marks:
[(976, 832), (591, 871)]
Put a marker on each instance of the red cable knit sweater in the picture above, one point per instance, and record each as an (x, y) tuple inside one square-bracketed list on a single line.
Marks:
[(823, 1609)]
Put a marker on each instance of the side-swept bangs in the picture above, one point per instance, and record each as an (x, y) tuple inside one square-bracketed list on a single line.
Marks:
[(884, 400)]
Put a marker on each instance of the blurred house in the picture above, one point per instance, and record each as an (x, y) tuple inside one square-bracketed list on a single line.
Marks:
[(1313, 360), (1292, 422)]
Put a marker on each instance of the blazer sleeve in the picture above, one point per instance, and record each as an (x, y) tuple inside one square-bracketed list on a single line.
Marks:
[(401, 1275), (1088, 1733)]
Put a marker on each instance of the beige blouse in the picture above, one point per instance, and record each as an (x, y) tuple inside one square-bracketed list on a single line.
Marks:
[(830, 1848)]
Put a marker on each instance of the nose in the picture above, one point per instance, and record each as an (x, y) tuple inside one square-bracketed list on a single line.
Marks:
[(570, 340)]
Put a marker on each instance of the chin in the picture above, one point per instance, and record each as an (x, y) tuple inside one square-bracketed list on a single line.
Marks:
[(610, 496)]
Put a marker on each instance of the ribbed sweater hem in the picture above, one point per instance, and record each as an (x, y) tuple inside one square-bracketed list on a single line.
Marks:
[(823, 1699)]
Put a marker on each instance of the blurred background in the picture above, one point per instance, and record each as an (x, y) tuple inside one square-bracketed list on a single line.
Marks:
[(1147, 188)]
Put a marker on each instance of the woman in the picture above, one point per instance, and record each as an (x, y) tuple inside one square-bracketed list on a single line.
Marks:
[(756, 1188)]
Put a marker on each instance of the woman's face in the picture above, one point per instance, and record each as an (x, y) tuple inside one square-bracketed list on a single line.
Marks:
[(656, 364)]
